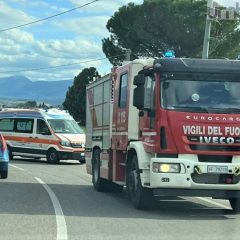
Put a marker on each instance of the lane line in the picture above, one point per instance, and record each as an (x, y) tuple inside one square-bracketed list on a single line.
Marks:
[(214, 203), (60, 219), (21, 169)]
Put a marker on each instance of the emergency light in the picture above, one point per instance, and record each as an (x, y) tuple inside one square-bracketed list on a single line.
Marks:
[(169, 54)]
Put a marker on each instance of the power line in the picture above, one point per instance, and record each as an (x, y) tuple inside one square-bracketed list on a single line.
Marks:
[(46, 18), (58, 66)]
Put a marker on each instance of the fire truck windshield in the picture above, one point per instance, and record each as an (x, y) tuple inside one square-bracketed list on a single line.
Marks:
[(201, 96)]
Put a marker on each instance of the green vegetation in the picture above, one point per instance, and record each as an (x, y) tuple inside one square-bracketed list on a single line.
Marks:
[(155, 26), (75, 101), (150, 29)]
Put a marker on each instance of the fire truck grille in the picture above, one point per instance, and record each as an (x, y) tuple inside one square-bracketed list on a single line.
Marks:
[(207, 178), (215, 158), (214, 148)]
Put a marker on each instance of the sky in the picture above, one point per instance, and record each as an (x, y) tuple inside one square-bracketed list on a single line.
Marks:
[(74, 37), (227, 3)]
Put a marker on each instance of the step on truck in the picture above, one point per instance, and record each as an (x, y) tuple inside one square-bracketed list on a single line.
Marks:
[(166, 127)]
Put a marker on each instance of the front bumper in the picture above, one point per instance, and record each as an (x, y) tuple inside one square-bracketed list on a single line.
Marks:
[(188, 178), (223, 194), (72, 156)]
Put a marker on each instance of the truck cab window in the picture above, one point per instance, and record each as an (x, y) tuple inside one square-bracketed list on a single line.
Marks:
[(149, 100), (123, 91)]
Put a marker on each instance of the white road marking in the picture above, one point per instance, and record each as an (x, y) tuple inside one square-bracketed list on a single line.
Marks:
[(60, 219), (213, 203), (21, 169)]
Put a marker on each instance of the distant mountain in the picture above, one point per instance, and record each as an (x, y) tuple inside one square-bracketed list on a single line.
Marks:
[(22, 88)]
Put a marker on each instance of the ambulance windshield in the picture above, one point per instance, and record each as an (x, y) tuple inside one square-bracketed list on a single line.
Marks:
[(65, 126), (198, 95)]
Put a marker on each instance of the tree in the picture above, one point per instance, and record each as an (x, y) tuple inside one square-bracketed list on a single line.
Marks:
[(75, 101), (159, 25), (28, 104)]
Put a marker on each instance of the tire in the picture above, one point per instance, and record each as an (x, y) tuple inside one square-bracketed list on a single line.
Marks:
[(52, 156), (141, 198), (10, 153), (82, 161), (4, 174), (115, 188), (235, 204), (99, 184)]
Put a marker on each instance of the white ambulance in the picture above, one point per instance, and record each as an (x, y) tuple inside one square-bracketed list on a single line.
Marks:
[(38, 133)]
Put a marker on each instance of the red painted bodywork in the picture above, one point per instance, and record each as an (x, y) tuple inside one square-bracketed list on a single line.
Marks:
[(120, 127), (177, 140)]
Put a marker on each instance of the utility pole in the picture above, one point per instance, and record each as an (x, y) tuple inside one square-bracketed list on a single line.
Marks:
[(207, 34), (128, 54)]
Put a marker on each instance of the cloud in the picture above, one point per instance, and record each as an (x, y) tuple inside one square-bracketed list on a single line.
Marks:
[(15, 42), (85, 26), (11, 17), (38, 4), (106, 6), (68, 49), (74, 38), (20, 50)]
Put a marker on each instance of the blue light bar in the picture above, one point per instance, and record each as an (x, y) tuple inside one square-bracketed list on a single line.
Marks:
[(169, 54)]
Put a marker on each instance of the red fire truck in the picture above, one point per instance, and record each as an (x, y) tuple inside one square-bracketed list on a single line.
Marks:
[(166, 127)]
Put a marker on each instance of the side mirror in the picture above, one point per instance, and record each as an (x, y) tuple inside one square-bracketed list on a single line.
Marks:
[(138, 97), (139, 80)]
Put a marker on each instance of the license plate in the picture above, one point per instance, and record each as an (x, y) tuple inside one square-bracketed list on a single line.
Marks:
[(217, 169)]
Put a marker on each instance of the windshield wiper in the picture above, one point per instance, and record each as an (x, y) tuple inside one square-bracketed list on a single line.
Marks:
[(224, 110), (189, 109)]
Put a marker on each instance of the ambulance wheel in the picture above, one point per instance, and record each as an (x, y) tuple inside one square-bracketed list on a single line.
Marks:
[(141, 198), (235, 204), (99, 183), (82, 161), (4, 174), (52, 156)]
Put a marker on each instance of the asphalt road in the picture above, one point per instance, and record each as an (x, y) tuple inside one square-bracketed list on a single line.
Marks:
[(42, 201)]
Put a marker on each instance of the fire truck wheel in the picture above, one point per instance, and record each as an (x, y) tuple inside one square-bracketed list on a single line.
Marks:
[(142, 198), (98, 183), (4, 174), (52, 156), (235, 204)]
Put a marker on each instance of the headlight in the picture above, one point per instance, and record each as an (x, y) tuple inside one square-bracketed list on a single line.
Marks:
[(65, 143), (166, 168)]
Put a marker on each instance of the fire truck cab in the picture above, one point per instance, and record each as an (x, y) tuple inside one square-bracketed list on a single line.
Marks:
[(166, 127)]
